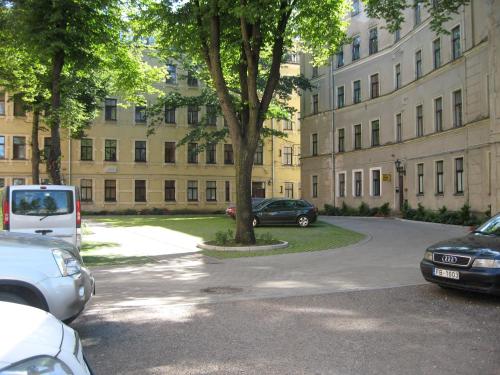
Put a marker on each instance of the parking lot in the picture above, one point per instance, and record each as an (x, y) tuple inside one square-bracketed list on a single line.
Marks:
[(361, 309)]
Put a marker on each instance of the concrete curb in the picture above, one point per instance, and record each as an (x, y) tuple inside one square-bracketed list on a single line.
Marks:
[(205, 246)]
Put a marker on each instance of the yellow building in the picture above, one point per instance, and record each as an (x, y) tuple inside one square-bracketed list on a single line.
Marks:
[(118, 167)]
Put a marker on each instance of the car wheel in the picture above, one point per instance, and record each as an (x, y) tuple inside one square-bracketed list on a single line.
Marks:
[(14, 298), (303, 221), (255, 222)]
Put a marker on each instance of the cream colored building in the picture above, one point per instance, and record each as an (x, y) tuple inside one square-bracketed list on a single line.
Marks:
[(118, 167), (430, 102)]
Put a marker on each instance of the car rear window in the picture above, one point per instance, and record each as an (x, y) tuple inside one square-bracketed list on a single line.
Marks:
[(42, 202)]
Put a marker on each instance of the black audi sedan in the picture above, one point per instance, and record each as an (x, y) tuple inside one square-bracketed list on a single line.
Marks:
[(284, 211), (471, 262)]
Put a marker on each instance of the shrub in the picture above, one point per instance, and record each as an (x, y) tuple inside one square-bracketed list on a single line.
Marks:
[(363, 209), (384, 210), (332, 211), (223, 237), (267, 238)]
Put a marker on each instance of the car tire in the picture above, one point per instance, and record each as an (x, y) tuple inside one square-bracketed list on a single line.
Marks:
[(303, 221), (255, 222), (14, 298)]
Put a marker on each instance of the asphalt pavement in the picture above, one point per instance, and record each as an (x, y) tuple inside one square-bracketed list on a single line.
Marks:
[(362, 309)]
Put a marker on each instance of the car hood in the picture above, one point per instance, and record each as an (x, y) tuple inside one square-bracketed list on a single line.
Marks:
[(472, 244), (27, 332), (22, 240)]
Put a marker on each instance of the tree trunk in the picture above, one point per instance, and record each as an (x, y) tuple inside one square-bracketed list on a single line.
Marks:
[(54, 157), (244, 217), (35, 149)]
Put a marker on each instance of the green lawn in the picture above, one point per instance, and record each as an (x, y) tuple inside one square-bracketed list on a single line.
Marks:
[(319, 236)]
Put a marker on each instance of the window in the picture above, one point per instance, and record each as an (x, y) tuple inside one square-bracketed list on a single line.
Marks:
[(397, 80), (287, 124), (2, 182), (314, 141), (258, 189), (140, 151), (228, 154), (287, 155), (18, 181), (436, 53), (356, 42), (193, 114), (19, 106), (439, 177), (357, 137), (289, 189), (192, 191), (2, 147), (315, 186), (110, 150), (373, 45), (438, 114), (455, 43), (211, 153), (140, 190), (341, 140), (19, 148), (46, 147), (459, 175), (418, 64), (420, 121), (356, 97), (375, 133), (314, 71), (374, 87), (110, 109), (192, 153), (211, 115), (2, 104), (169, 190), (169, 152), (227, 191), (86, 190), (358, 184), (397, 35), (192, 81), (211, 191), (341, 184), (399, 128), (420, 179), (355, 8), (259, 155), (140, 114), (457, 108), (171, 74), (417, 12), (340, 58), (315, 103), (376, 182), (86, 149), (169, 115), (340, 97), (110, 190)]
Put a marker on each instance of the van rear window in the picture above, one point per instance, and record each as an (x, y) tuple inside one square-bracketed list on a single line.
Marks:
[(42, 202)]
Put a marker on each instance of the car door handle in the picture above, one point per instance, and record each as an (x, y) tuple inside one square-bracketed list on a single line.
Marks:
[(44, 231)]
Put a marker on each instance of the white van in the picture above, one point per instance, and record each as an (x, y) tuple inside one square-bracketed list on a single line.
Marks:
[(52, 210)]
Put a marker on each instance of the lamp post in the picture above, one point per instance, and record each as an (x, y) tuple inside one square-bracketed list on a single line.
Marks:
[(401, 170)]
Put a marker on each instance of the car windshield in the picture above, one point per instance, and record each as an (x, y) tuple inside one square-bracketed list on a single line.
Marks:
[(42, 202), (259, 203), (491, 227)]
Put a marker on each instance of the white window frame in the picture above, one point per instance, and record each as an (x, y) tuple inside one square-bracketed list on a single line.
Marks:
[(338, 184), (354, 183), (371, 132), (371, 182)]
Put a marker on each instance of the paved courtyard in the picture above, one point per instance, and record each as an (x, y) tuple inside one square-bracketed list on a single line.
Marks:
[(362, 309)]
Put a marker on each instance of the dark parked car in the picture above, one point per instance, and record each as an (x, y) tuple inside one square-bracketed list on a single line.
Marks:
[(471, 262), (231, 210), (284, 211)]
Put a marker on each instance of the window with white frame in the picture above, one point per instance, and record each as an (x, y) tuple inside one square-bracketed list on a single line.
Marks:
[(420, 179), (457, 108), (397, 76), (438, 114), (399, 128), (357, 184), (375, 133), (375, 183), (341, 184), (456, 51), (439, 177), (340, 97), (287, 155), (436, 53), (419, 120), (315, 186), (459, 175), (289, 189), (211, 191)]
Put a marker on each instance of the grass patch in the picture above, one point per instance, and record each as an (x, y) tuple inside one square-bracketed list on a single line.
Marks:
[(108, 253), (319, 236)]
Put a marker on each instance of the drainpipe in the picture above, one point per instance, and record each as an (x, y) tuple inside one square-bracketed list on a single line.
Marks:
[(332, 81), (272, 161)]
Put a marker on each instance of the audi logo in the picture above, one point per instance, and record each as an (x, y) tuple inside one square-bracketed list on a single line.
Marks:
[(449, 259)]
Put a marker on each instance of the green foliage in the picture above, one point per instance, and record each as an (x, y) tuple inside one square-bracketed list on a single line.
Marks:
[(267, 238), (223, 237), (462, 217), (363, 209), (384, 210)]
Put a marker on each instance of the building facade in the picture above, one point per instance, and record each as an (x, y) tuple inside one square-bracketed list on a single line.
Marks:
[(117, 166), (407, 116)]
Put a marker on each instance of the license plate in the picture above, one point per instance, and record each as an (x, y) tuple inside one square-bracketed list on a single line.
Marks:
[(446, 273)]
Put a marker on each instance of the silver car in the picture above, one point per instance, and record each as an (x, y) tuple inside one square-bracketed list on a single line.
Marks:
[(44, 272), (34, 342)]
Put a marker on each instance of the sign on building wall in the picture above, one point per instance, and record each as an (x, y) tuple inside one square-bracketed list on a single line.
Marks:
[(386, 177)]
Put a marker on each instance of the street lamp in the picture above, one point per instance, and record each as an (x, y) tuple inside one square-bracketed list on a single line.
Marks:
[(401, 169)]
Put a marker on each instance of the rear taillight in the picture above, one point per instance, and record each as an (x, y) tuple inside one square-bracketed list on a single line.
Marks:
[(6, 217), (78, 214)]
